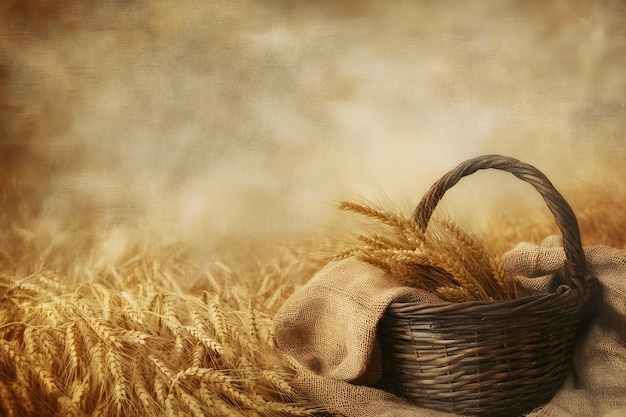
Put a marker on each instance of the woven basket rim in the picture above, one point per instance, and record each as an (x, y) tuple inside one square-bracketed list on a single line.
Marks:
[(563, 291)]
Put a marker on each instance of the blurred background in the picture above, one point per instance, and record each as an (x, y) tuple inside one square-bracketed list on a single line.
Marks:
[(203, 120)]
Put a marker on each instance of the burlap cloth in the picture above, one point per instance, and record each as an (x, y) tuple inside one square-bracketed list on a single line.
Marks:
[(329, 327)]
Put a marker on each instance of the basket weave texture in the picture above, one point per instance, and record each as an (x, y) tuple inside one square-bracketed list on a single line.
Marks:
[(493, 358)]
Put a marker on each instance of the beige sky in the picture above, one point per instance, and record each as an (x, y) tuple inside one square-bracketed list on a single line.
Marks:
[(256, 116)]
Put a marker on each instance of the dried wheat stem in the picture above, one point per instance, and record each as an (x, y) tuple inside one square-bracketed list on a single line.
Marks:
[(162, 367), (105, 300), (444, 256), (52, 284), (470, 245), (216, 406), (457, 270), (344, 254), (71, 346), (78, 392), (133, 309), (170, 410), (192, 404), (198, 356), (47, 313), (225, 384), (253, 326), (179, 350), (159, 389), (386, 217), (120, 385), (453, 294), (146, 400), (206, 340), (96, 356), (9, 348), (278, 380), (32, 345), (215, 315), (507, 285), (380, 241), (197, 315)]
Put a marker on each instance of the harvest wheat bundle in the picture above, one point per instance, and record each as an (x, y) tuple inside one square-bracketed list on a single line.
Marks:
[(444, 259)]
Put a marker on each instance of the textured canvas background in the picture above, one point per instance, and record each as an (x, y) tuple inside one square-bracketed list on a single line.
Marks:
[(235, 126), (213, 118)]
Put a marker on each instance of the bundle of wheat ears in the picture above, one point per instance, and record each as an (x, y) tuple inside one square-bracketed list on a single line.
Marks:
[(153, 332), (443, 259)]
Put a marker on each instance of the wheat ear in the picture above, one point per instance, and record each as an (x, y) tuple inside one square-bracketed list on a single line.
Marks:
[(386, 217)]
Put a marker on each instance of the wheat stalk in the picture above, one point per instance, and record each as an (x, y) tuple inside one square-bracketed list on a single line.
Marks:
[(215, 315), (77, 394), (143, 395), (445, 259), (162, 367), (209, 397), (211, 344), (407, 228), (71, 346), (178, 351), (120, 385), (160, 391), (278, 379), (192, 404), (170, 407), (96, 356), (126, 341), (198, 355), (133, 309)]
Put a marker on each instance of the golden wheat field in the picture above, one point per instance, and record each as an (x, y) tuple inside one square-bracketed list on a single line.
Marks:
[(172, 171)]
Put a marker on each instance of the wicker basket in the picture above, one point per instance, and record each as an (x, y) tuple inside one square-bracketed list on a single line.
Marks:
[(493, 358)]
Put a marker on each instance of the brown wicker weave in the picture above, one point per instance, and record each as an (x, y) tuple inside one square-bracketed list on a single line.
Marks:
[(492, 358)]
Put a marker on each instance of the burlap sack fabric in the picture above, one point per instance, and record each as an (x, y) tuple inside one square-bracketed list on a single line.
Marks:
[(329, 327)]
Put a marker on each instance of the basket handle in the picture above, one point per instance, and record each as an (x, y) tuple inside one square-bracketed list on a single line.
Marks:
[(575, 265)]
